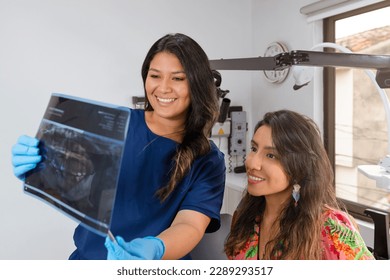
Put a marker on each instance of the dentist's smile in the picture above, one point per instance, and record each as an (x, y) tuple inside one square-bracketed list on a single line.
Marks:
[(165, 100)]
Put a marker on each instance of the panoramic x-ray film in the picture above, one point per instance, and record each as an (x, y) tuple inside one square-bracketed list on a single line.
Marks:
[(81, 143)]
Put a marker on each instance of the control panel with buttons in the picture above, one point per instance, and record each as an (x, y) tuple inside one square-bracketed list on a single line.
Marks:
[(237, 139)]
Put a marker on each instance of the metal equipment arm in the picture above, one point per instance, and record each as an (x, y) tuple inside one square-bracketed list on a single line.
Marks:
[(311, 58)]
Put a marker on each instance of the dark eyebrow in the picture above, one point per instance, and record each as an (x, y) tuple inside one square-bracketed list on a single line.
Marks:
[(254, 143), (272, 148), (175, 72)]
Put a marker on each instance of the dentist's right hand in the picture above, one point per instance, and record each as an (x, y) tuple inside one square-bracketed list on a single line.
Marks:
[(25, 155)]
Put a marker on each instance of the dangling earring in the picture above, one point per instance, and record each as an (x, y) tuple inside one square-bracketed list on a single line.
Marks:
[(295, 193)]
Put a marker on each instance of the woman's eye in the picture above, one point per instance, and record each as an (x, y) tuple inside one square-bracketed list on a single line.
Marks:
[(179, 78), (271, 156), (153, 76), (253, 149)]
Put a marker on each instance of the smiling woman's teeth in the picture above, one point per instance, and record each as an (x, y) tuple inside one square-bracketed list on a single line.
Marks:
[(165, 100), (255, 178)]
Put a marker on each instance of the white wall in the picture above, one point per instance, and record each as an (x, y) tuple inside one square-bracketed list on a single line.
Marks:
[(94, 49), (284, 23)]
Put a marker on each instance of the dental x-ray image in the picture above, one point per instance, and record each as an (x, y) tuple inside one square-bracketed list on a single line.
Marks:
[(80, 160)]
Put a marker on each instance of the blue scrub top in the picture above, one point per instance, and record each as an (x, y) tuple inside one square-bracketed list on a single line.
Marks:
[(145, 168)]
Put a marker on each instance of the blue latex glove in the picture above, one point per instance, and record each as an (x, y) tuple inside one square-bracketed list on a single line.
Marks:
[(147, 248), (25, 155)]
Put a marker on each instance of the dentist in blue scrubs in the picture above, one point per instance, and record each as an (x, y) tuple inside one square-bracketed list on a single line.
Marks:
[(172, 176)]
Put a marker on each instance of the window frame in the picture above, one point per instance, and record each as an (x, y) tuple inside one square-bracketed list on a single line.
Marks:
[(329, 77)]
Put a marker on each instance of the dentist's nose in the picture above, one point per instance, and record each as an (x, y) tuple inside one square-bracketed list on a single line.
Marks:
[(165, 86)]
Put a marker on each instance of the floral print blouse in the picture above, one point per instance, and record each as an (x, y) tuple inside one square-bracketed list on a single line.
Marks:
[(340, 238)]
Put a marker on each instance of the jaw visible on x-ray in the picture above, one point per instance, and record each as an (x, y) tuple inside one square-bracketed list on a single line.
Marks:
[(69, 169), (77, 170), (72, 169)]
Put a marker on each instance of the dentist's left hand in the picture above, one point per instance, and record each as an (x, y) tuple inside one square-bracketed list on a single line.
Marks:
[(147, 248)]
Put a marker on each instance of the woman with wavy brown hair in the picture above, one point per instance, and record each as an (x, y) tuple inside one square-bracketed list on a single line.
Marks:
[(289, 210)]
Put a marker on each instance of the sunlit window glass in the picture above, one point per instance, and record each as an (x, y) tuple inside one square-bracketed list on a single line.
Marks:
[(361, 123)]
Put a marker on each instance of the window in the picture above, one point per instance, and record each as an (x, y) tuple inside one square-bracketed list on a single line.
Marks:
[(355, 127)]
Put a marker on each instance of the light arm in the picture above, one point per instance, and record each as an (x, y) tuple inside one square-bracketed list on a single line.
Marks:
[(311, 58)]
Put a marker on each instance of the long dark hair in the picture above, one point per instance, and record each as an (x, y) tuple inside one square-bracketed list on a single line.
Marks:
[(298, 142), (203, 111)]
